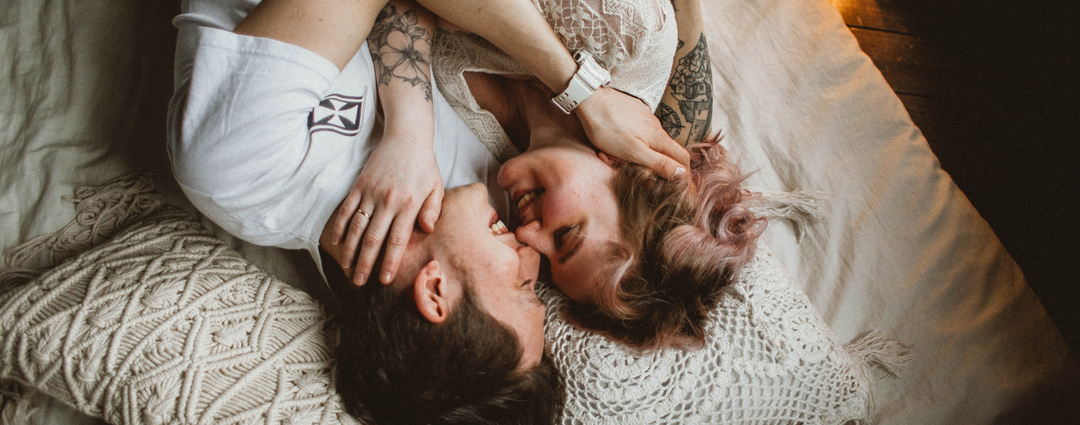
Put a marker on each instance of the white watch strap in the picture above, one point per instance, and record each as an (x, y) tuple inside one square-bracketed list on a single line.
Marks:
[(589, 77)]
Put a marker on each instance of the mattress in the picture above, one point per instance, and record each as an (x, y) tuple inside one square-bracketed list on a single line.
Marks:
[(86, 83)]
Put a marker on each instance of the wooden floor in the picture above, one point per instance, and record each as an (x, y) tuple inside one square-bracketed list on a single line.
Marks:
[(995, 89)]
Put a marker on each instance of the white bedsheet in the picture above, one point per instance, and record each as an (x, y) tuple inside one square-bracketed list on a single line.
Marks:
[(901, 248), (85, 84)]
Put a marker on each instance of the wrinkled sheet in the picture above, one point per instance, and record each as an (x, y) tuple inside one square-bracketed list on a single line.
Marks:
[(901, 249), (84, 87)]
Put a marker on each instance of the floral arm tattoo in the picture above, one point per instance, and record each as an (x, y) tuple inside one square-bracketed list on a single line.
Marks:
[(401, 49), (691, 86)]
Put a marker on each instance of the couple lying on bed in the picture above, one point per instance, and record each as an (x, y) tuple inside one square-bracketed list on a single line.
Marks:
[(275, 138)]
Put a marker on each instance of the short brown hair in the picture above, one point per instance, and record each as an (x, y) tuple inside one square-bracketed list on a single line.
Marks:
[(683, 241), (396, 367)]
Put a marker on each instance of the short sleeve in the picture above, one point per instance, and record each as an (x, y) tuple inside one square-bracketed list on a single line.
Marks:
[(247, 143)]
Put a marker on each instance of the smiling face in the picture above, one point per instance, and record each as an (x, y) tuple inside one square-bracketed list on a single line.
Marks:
[(502, 272), (567, 211)]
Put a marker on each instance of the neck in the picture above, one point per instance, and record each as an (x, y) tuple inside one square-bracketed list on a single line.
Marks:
[(524, 109)]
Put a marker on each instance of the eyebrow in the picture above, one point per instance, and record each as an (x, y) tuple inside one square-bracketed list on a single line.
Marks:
[(578, 241)]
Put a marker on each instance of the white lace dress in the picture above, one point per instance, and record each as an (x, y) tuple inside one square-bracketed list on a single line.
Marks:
[(634, 39)]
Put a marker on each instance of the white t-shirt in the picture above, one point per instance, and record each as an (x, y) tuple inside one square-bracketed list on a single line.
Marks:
[(267, 138)]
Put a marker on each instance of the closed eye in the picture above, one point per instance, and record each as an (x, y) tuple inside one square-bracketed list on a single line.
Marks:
[(560, 237), (572, 238)]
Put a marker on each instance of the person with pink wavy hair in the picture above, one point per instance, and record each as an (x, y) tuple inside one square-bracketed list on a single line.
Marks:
[(643, 256)]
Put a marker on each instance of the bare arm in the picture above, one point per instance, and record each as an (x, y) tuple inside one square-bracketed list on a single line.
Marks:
[(616, 123), (400, 184), (516, 27), (333, 29), (685, 111), (400, 181)]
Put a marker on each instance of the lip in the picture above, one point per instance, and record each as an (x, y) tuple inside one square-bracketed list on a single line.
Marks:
[(530, 211), (536, 193), (518, 193)]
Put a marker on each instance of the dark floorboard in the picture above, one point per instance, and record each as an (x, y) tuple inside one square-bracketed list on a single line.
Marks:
[(995, 87)]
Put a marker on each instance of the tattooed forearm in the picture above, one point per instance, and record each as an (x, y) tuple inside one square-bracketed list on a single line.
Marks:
[(401, 49), (669, 120), (691, 86)]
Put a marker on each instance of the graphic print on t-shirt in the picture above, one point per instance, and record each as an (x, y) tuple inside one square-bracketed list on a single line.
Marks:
[(337, 113)]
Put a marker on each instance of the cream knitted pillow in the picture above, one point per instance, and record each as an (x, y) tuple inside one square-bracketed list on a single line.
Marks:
[(165, 324)]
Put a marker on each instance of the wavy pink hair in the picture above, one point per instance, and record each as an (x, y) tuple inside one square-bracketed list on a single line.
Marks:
[(683, 241)]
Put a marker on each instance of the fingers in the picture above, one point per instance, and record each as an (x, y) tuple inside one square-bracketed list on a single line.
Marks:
[(371, 244), (664, 156), (664, 166), (357, 224), (395, 248), (429, 212), (672, 149), (344, 215)]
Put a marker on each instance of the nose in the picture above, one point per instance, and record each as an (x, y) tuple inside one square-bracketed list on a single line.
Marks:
[(506, 176), (531, 234)]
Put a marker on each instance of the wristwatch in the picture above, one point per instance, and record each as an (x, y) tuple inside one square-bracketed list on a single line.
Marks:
[(589, 77)]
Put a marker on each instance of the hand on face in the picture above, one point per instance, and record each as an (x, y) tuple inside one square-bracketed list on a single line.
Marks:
[(623, 127), (395, 189), (501, 270)]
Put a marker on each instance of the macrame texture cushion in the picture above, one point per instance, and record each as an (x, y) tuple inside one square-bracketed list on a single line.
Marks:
[(768, 359), (165, 324)]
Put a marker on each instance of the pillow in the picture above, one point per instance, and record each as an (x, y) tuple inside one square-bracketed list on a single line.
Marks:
[(164, 323), (768, 358)]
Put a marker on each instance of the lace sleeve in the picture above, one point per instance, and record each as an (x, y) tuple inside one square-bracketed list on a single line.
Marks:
[(634, 39)]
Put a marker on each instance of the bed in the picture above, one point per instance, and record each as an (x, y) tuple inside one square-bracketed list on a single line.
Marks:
[(900, 249)]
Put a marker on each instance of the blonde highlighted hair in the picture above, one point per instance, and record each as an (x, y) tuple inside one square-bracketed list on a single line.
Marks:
[(683, 241)]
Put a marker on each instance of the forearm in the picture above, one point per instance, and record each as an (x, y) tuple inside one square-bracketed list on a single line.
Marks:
[(400, 45), (616, 123), (333, 29), (516, 27), (685, 111)]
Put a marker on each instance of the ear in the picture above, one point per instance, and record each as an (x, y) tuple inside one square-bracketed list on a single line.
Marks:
[(434, 293)]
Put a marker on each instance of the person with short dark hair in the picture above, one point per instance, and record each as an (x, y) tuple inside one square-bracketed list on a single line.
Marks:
[(472, 293), (273, 123)]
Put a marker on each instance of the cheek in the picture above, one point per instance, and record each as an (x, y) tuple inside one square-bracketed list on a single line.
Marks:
[(529, 263), (573, 283), (564, 205), (532, 337)]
